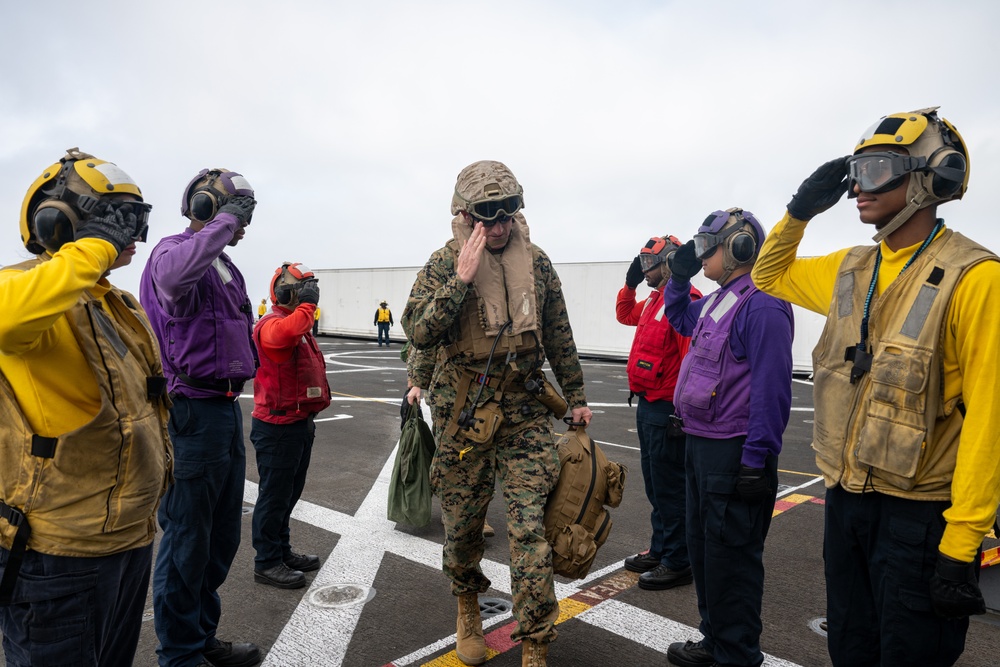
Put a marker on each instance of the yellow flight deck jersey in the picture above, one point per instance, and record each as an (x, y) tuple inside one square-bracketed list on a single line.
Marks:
[(970, 359), (76, 356)]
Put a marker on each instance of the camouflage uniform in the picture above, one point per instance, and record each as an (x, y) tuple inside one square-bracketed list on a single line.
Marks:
[(522, 450)]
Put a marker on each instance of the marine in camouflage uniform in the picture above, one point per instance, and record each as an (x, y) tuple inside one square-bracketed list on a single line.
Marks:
[(444, 307)]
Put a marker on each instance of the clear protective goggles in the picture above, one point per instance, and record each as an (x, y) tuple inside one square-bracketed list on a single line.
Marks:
[(713, 232), (492, 211), (652, 255), (881, 171)]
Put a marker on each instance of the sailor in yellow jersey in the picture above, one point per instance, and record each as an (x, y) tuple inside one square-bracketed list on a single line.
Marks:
[(907, 404)]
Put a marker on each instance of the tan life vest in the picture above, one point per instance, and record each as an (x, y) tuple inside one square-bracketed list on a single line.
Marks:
[(503, 290), (576, 523), (891, 431), (94, 491)]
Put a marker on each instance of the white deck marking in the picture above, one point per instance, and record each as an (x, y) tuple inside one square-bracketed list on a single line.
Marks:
[(318, 636), (648, 629)]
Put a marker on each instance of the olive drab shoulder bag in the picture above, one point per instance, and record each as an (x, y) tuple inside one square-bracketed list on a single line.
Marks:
[(410, 484), (576, 523)]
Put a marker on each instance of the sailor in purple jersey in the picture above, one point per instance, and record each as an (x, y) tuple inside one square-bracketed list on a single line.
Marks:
[(198, 305), (733, 397)]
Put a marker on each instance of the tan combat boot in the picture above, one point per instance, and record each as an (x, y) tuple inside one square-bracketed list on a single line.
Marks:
[(533, 654), (488, 529), (470, 647)]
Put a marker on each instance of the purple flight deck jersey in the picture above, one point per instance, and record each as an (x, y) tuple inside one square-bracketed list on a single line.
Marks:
[(197, 302), (737, 376)]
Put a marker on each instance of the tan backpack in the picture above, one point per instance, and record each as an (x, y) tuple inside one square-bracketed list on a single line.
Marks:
[(576, 523)]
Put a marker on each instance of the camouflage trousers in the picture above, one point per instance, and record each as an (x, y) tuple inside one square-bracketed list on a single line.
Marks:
[(525, 457)]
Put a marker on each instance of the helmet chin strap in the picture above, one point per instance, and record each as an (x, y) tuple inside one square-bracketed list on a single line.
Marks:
[(902, 216)]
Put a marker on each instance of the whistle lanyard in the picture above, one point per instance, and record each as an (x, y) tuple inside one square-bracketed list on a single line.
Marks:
[(871, 287)]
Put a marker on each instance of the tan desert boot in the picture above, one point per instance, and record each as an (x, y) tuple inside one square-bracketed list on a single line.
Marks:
[(488, 529), (533, 654), (470, 647)]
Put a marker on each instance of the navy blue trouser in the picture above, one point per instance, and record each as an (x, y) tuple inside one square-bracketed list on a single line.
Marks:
[(662, 459), (383, 332), (283, 453), (76, 612), (879, 554), (200, 516), (726, 542)]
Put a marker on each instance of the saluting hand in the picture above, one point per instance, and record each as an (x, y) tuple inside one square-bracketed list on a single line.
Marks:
[(472, 252)]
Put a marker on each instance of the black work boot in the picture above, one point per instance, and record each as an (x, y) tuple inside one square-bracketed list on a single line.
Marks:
[(280, 576), (301, 562), (228, 654)]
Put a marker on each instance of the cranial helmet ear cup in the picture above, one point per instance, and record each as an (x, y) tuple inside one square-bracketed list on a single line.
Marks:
[(742, 246), (283, 294), (948, 175), (203, 206), (55, 224)]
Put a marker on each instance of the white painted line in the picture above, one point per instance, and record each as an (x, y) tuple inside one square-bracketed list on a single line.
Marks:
[(800, 486), (648, 629), (335, 418)]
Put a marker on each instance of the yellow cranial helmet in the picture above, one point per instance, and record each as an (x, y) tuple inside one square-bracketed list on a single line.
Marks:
[(943, 174), (66, 192)]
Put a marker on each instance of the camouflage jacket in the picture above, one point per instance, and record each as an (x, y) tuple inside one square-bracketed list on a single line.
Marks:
[(431, 320)]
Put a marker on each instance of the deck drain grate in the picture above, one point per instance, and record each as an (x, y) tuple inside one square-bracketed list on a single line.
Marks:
[(490, 607)]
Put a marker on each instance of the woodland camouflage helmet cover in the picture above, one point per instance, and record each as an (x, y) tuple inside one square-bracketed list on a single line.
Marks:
[(490, 184), (70, 189)]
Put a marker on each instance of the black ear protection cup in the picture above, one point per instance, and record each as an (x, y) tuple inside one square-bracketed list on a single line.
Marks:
[(54, 223), (742, 246), (948, 175), (283, 294), (204, 205)]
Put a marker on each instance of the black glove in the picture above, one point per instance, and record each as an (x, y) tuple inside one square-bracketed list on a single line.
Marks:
[(309, 292), (634, 275), (683, 263), (111, 220), (821, 190), (753, 486), (954, 590), (241, 206)]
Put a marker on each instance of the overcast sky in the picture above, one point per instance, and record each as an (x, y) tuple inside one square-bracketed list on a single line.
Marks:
[(620, 119)]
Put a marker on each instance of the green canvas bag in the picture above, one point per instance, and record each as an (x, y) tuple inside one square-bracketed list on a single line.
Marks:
[(410, 485)]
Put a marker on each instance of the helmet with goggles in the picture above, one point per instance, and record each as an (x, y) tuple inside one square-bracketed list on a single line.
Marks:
[(67, 192), (736, 232), (287, 280), (209, 191), (487, 191), (934, 154), (656, 251)]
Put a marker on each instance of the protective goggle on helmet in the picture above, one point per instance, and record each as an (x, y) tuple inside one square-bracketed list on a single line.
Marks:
[(918, 143), (67, 192), (287, 280), (657, 251), (210, 190), (488, 192), (737, 232)]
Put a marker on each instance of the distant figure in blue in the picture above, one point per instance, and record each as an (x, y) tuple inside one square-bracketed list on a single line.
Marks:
[(733, 397), (383, 320)]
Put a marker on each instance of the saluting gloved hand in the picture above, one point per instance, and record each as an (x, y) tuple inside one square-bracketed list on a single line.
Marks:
[(112, 221), (954, 590), (240, 206), (309, 292), (753, 486), (683, 263), (634, 275), (821, 190)]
